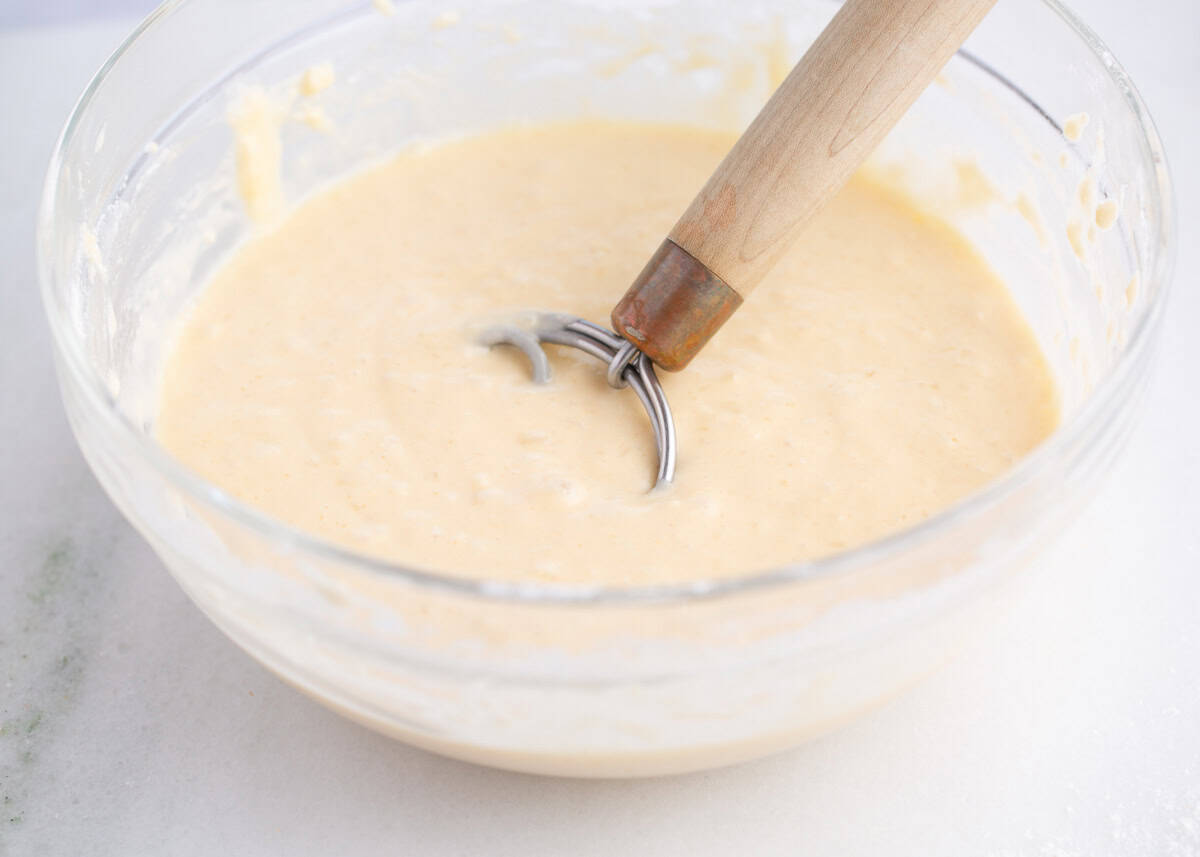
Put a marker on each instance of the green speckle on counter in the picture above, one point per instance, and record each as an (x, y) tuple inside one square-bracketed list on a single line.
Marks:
[(34, 722), (50, 577)]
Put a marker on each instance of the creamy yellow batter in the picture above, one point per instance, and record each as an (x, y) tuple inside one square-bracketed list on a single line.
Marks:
[(329, 374)]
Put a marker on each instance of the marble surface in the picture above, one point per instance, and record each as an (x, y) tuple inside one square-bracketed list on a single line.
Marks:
[(129, 725)]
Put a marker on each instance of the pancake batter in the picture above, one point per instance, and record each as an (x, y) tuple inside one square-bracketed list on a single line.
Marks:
[(328, 374)]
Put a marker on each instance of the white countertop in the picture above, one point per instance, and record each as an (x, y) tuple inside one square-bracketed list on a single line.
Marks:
[(129, 725)]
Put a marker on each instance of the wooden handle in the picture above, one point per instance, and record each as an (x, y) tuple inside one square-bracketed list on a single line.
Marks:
[(855, 82)]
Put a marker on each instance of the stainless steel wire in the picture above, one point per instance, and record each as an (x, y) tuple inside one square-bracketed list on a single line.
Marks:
[(626, 366)]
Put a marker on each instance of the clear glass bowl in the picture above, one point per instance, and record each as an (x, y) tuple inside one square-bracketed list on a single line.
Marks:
[(140, 205)]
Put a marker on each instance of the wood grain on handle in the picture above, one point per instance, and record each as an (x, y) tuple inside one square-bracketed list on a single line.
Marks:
[(855, 82)]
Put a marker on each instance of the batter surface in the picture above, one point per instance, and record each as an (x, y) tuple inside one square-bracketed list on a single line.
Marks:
[(328, 374)]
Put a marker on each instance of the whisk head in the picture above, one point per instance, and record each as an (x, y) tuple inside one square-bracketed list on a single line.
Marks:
[(626, 367)]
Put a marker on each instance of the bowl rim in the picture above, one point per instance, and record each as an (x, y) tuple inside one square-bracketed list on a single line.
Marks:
[(1088, 419)]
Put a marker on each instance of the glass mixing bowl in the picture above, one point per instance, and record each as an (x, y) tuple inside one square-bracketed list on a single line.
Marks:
[(140, 205)]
